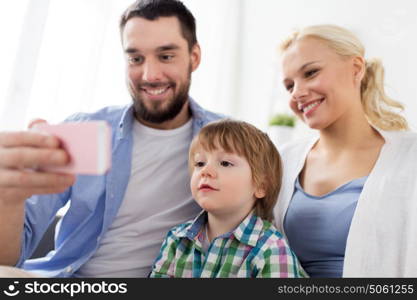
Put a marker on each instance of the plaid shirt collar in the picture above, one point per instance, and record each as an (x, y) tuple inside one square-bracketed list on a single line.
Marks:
[(246, 233)]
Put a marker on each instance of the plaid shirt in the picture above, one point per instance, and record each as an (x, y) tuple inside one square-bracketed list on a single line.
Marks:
[(254, 249)]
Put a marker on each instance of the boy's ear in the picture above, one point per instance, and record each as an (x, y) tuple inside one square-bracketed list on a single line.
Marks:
[(260, 193)]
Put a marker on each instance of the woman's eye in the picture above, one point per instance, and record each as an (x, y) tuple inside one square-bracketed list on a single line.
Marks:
[(225, 163), (289, 87), (311, 73)]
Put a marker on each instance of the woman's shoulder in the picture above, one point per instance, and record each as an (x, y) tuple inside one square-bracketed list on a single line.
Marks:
[(296, 146), (406, 138), (409, 135)]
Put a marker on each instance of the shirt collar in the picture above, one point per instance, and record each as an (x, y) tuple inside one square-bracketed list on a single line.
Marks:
[(246, 232), (192, 230), (126, 122), (387, 135), (128, 117)]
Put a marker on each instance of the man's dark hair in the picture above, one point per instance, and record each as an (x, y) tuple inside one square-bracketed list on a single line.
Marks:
[(153, 9)]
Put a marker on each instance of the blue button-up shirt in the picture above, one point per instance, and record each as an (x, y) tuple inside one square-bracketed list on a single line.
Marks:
[(95, 200)]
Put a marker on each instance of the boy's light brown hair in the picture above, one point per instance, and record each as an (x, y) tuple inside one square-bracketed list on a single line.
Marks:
[(255, 146)]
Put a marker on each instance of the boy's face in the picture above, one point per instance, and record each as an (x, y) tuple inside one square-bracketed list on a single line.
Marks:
[(221, 182)]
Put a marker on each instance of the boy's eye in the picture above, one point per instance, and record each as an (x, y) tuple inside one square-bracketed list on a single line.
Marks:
[(199, 164), (224, 163)]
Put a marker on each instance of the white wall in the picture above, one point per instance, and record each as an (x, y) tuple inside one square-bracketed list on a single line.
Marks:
[(10, 30), (80, 64), (216, 83), (387, 28), (77, 63)]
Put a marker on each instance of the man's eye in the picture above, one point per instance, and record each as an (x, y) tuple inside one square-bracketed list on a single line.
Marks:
[(199, 164), (136, 60), (167, 57), (224, 163)]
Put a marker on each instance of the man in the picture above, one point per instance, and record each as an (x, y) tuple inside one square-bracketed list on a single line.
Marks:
[(116, 223)]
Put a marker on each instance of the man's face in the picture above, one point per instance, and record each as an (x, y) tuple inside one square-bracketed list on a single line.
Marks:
[(159, 67)]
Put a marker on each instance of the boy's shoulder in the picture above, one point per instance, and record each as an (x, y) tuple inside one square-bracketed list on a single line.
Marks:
[(270, 231), (181, 229), (271, 238)]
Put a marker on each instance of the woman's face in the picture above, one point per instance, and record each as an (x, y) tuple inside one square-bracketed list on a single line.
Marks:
[(323, 85)]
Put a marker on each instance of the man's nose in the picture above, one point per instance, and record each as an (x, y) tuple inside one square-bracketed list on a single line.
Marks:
[(152, 71)]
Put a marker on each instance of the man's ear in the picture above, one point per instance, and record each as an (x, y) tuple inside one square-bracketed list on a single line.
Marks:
[(195, 56), (359, 69)]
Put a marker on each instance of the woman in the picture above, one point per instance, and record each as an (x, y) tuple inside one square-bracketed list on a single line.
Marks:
[(348, 204)]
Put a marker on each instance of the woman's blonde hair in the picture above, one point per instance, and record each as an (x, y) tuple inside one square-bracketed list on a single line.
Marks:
[(255, 146), (378, 107)]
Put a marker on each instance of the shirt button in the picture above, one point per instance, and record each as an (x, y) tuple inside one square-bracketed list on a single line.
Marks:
[(68, 269)]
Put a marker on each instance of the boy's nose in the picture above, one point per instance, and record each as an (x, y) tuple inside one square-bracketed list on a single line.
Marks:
[(208, 171)]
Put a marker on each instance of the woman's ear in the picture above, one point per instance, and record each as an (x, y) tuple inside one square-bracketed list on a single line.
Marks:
[(359, 69)]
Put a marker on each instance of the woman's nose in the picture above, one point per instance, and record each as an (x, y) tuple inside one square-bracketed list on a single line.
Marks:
[(299, 92)]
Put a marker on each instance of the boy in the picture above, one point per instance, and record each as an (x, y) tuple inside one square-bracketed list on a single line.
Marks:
[(235, 178)]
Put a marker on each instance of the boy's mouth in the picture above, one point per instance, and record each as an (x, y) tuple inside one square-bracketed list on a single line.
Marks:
[(206, 187)]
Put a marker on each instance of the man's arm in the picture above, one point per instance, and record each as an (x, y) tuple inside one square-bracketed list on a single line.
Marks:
[(21, 155)]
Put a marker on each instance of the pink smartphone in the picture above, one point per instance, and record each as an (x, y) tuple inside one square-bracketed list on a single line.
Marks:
[(87, 143)]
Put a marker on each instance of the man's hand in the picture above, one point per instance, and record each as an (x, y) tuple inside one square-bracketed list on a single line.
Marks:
[(22, 156)]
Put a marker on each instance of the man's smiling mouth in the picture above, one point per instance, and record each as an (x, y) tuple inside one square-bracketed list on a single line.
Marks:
[(156, 91)]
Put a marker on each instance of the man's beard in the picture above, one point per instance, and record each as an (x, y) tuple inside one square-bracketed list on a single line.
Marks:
[(156, 115)]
